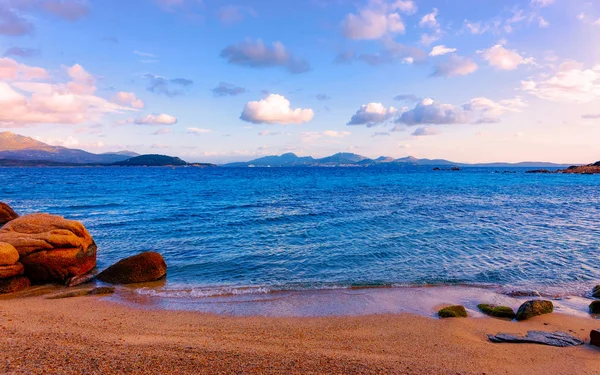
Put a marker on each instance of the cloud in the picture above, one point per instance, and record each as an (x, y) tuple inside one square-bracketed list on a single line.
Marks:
[(156, 119), (275, 109), (162, 131), (12, 23), (22, 52), (571, 83), (504, 59), (168, 87), (225, 89), (70, 10), (420, 132), (591, 116), (372, 114), (323, 97), (325, 134), (430, 112), (256, 54), (441, 50), (11, 70), (378, 19), (143, 54), (197, 131), (27, 103), (429, 20), (541, 3), (490, 111), (231, 14), (380, 134), (392, 52), (476, 28), (128, 99), (542, 23), (455, 66)]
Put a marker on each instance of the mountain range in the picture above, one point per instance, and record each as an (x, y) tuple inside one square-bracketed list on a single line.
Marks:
[(351, 159)]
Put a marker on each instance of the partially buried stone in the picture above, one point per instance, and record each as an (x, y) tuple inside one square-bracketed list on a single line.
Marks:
[(534, 308), (595, 307), (14, 284), (497, 311), (559, 339), (85, 292), (141, 268), (8, 254), (595, 337), (7, 272), (457, 311)]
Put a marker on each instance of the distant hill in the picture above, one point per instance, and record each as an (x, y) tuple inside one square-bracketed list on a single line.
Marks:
[(18, 147), (151, 160), (350, 159)]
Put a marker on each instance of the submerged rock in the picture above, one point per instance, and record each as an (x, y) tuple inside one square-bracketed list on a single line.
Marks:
[(557, 338), (595, 337), (497, 311), (14, 284), (103, 290), (595, 307), (596, 291), (457, 311), (50, 247), (534, 308), (6, 214), (141, 268), (8, 254), (524, 293)]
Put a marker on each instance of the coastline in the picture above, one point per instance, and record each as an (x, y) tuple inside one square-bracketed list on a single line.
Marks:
[(95, 335)]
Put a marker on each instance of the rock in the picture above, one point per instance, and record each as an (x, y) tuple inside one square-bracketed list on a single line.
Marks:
[(457, 311), (8, 254), (80, 279), (596, 291), (595, 307), (14, 284), (50, 247), (6, 214), (595, 337), (103, 290), (6, 272), (497, 311), (534, 308), (524, 293), (144, 267), (557, 338)]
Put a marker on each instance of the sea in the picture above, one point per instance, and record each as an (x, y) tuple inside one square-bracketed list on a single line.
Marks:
[(250, 231)]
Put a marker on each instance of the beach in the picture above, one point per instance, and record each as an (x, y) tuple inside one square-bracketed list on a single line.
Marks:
[(93, 335)]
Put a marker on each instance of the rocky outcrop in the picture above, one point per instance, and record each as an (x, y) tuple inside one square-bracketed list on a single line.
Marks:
[(8, 254), (534, 308), (497, 311), (50, 247), (144, 267), (14, 284), (457, 311), (583, 169), (595, 307), (6, 214), (11, 270), (559, 339), (595, 337), (596, 291)]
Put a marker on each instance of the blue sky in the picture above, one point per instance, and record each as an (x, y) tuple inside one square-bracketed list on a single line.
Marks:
[(219, 80)]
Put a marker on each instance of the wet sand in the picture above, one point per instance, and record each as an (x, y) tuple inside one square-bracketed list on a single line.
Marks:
[(92, 335)]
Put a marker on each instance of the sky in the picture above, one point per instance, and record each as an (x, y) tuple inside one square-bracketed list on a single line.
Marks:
[(225, 80)]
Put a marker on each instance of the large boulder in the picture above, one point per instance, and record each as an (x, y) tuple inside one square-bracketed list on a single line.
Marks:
[(595, 307), (8, 254), (534, 308), (457, 311), (6, 214), (141, 268), (13, 270), (50, 247), (497, 311), (596, 291), (595, 337), (13, 284)]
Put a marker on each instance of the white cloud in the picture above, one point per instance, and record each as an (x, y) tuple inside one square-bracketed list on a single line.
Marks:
[(543, 23), (476, 28), (541, 3), (11, 70), (489, 111), (455, 66), (257, 54), (372, 114), (378, 19), (198, 131), (156, 119), (441, 50), (504, 59), (571, 83), (128, 99), (275, 109), (429, 20), (430, 112), (325, 134), (421, 132)]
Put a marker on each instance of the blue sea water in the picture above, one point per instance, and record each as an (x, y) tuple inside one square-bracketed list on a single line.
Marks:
[(252, 230)]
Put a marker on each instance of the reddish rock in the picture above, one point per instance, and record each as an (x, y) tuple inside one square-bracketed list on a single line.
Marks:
[(6, 272), (6, 214), (8, 254), (595, 337), (50, 247), (14, 284), (144, 267)]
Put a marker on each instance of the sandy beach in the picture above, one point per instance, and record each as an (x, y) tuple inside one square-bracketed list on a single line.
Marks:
[(91, 335)]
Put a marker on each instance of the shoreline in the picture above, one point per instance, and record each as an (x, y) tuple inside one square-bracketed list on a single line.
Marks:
[(96, 335)]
